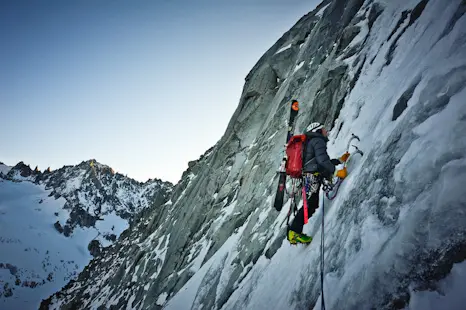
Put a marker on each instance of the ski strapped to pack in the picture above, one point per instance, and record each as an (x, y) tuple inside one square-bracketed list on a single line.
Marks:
[(280, 192)]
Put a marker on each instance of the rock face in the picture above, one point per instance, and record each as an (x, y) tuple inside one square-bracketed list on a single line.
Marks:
[(390, 71)]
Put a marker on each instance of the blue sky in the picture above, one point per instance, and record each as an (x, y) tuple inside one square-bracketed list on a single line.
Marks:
[(142, 86)]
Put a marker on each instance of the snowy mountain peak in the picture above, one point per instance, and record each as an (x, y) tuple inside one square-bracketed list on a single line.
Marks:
[(94, 164), (21, 171), (96, 190)]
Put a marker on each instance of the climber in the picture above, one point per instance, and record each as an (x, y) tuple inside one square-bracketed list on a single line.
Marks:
[(316, 166)]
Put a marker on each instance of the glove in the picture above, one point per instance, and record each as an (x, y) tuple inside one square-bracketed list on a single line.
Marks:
[(335, 161), (341, 173), (344, 157)]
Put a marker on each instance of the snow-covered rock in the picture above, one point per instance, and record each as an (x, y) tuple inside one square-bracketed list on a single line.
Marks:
[(4, 169)]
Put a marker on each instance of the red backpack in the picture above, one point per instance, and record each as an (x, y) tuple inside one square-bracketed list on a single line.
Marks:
[(294, 153)]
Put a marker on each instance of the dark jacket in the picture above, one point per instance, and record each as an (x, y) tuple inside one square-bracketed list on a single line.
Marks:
[(315, 158)]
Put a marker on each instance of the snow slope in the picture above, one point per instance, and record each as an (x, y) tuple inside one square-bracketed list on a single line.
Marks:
[(35, 260), (44, 233)]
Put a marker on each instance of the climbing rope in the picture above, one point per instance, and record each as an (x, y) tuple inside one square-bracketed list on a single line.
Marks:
[(333, 191), (322, 258)]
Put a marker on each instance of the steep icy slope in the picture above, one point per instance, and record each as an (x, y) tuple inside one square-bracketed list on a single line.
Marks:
[(393, 72), (52, 223)]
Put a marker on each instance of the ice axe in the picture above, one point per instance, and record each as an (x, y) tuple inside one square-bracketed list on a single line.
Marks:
[(353, 137), (358, 151)]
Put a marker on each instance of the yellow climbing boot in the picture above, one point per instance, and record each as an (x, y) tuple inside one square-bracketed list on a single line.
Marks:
[(291, 236), (294, 237)]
